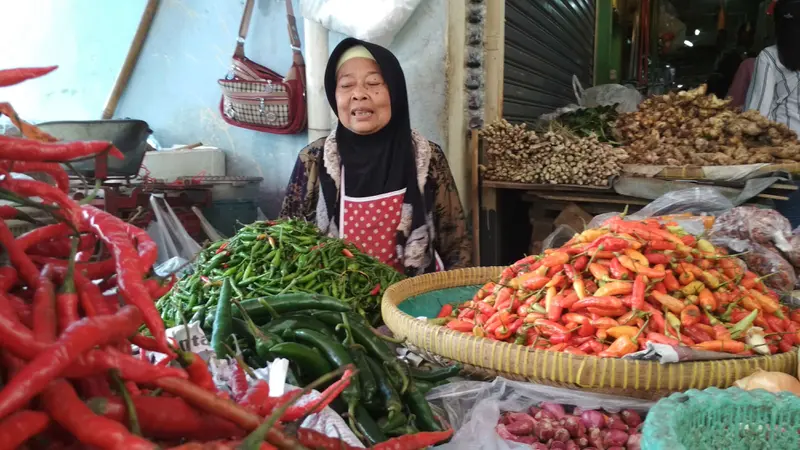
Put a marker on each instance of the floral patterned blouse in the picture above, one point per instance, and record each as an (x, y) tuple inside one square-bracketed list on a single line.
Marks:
[(452, 240)]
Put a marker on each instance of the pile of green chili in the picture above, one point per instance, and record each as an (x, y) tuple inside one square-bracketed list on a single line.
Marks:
[(277, 257), (317, 334)]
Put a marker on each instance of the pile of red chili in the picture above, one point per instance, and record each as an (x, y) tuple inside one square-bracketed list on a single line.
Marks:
[(69, 377), (611, 290)]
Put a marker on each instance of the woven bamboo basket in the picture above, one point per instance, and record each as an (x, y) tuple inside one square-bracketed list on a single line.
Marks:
[(485, 358)]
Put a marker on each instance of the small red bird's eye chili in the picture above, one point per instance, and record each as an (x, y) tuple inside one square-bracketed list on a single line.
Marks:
[(419, 440), (21, 426), (112, 231), (198, 371), (10, 77), (637, 295), (65, 407), (347, 253), (74, 342), (376, 290)]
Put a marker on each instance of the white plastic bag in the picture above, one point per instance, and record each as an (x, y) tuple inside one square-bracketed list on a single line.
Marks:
[(172, 238), (473, 408), (376, 21), (627, 98)]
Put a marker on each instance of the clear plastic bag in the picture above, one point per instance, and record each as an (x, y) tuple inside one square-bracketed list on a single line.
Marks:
[(696, 200), (793, 254), (559, 237), (167, 230), (763, 260), (627, 99), (750, 223), (475, 423)]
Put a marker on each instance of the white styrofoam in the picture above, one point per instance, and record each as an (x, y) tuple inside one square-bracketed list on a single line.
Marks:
[(170, 164)]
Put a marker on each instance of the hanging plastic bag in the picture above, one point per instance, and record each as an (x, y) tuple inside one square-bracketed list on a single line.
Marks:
[(171, 233), (627, 99), (473, 408), (559, 237), (751, 223), (208, 229), (376, 21)]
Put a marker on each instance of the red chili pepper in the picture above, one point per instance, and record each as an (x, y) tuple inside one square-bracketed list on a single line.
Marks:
[(376, 290), (597, 302), (8, 278), (697, 334), (198, 371), (446, 311), (112, 231), (347, 253), (65, 407), (44, 309), (548, 327), (586, 328), (21, 426), (659, 338), (239, 383), (555, 259), (661, 245), (70, 210), (168, 418), (607, 312), (580, 263), (637, 295), (21, 149), (690, 315), (90, 297), (222, 247), (54, 170), (10, 77), (660, 287), (25, 267), (74, 342), (619, 272), (657, 258)]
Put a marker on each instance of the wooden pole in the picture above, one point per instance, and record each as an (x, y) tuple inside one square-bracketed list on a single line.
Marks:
[(130, 61)]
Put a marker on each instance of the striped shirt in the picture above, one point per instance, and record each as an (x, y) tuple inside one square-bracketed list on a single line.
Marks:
[(775, 90)]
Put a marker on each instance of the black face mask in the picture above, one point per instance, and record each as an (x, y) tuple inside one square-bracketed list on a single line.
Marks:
[(787, 33)]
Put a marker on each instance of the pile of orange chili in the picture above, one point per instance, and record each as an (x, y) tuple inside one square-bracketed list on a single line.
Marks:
[(68, 375), (611, 290)]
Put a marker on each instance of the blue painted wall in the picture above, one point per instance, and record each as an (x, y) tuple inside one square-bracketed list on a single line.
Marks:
[(174, 87)]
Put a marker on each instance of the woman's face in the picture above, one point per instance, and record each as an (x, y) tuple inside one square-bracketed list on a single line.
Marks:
[(362, 97)]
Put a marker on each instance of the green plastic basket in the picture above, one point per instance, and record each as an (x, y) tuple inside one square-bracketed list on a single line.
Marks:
[(730, 419)]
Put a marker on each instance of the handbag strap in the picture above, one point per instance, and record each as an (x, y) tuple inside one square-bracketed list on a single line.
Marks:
[(294, 36)]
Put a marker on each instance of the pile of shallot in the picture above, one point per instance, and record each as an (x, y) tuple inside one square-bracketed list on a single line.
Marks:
[(548, 426)]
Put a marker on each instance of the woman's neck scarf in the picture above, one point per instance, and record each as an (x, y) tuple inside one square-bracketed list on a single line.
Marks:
[(379, 163)]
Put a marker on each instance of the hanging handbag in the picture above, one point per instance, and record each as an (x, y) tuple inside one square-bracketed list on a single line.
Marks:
[(257, 98)]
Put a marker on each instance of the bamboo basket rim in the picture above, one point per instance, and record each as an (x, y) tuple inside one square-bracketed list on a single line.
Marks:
[(646, 379)]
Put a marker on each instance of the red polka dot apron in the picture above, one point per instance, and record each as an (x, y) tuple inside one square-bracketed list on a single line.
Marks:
[(371, 224)]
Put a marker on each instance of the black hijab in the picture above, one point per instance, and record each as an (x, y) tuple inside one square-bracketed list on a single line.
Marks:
[(787, 32), (384, 161)]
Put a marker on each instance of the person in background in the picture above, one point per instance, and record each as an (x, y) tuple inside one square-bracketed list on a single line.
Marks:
[(725, 69), (374, 181), (775, 88), (741, 82)]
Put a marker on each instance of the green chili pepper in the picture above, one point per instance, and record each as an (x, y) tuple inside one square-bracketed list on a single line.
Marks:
[(223, 325)]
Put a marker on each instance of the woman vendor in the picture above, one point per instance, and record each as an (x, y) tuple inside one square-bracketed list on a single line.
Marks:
[(374, 181)]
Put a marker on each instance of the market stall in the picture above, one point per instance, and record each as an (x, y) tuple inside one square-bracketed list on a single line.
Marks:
[(599, 159)]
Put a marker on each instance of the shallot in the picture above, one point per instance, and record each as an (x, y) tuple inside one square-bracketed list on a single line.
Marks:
[(615, 438), (593, 419), (634, 442), (555, 409), (631, 418), (545, 430)]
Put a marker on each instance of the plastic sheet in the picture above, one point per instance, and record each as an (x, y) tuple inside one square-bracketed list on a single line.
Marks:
[(376, 21), (696, 200), (626, 98), (473, 408)]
